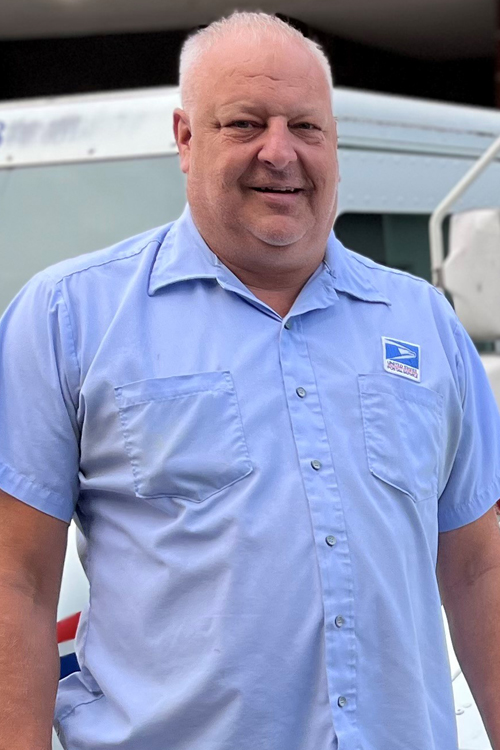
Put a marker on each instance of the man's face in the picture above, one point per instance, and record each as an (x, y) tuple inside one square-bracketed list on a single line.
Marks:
[(259, 147)]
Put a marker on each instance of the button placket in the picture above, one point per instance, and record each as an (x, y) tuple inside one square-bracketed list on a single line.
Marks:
[(326, 512)]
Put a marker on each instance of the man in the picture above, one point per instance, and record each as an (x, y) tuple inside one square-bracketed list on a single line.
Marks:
[(262, 435)]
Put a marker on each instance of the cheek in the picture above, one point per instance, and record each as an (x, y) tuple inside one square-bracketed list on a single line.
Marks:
[(228, 173), (232, 162), (327, 173), (214, 182)]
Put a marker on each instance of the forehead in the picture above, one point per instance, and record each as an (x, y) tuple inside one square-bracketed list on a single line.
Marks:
[(263, 73)]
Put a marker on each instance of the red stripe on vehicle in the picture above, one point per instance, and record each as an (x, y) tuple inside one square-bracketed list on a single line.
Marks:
[(66, 629)]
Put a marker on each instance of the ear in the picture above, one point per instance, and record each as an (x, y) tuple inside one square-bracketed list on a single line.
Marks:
[(182, 133)]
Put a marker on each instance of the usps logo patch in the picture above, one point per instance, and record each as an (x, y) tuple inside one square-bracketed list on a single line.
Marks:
[(401, 358)]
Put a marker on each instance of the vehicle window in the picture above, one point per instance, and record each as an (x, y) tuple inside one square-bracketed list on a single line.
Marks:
[(50, 213), (397, 240)]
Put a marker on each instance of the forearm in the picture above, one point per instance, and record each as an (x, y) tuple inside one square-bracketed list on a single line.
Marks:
[(473, 612), (29, 672)]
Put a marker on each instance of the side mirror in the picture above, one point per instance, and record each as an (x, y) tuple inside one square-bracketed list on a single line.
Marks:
[(471, 272)]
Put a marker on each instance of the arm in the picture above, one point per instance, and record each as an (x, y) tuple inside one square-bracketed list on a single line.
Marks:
[(468, 571), (32, 548)]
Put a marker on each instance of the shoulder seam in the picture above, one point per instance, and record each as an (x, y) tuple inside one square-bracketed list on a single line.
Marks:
[(71, 336), (388, 269), (58, 280)]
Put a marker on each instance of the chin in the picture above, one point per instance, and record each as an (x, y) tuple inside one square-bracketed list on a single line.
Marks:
[(279, 233)]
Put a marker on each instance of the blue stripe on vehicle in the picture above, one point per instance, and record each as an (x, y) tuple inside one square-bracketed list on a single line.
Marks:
[(69, 664)]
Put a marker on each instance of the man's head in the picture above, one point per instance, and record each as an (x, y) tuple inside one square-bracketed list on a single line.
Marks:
[(257, 121)]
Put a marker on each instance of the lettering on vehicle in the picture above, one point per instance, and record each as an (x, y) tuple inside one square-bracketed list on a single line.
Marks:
[(401, 358)]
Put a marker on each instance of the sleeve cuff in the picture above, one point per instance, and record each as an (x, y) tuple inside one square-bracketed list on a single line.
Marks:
[(39, 497), (461, 515)]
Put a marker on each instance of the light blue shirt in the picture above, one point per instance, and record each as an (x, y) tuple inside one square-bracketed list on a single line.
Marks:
[(260, 498)]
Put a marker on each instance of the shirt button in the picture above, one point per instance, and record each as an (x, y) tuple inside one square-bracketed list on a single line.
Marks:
[(342, 701), (331, 541), (316, 464), (301, 392), (288, 325), (339, 621)]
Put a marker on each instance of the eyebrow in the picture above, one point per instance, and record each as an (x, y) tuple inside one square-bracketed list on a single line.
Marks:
[(253, 108)]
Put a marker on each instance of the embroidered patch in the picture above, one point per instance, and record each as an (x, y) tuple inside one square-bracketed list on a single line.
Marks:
[(401, 358)]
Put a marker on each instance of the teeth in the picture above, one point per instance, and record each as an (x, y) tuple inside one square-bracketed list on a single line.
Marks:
[(277, 190)]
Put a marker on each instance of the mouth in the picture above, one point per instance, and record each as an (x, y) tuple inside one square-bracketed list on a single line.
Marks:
[(278, 190)]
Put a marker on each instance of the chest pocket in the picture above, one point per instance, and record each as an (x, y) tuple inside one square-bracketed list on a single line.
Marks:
[(183, 435), (402, 424)]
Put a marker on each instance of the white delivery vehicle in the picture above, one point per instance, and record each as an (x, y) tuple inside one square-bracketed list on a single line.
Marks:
[(80, 173)]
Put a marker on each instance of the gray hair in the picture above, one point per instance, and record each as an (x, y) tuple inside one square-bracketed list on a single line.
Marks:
[(252, 24)]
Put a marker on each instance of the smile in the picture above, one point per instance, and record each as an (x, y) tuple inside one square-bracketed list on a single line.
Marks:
[(277, 189)]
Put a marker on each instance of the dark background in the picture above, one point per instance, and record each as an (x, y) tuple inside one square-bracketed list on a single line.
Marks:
[(44, 67)]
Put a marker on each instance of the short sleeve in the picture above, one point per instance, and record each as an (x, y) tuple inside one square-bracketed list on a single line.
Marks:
[(473, 486), (39, 376)]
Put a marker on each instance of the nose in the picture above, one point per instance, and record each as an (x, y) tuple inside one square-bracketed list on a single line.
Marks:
[(277, 149)]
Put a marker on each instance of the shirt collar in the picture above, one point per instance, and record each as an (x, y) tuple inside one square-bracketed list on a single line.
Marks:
[(351, 272), (184, 255)]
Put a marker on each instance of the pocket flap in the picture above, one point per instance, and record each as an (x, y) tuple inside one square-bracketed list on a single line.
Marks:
[(183, 435), (402, 427)]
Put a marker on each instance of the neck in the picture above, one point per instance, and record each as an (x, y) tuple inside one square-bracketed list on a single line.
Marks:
[(275, 275), (280, 300), (278, 290)]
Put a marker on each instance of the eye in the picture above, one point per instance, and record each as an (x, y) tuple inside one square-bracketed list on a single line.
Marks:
[(242, 124), (306, 126)]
